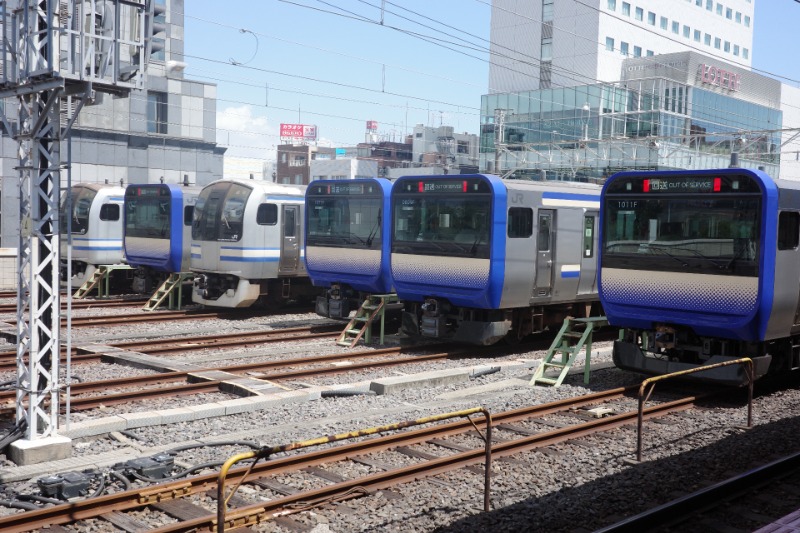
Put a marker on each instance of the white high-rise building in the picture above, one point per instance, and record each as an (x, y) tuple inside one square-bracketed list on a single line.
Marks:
[(539, 44)]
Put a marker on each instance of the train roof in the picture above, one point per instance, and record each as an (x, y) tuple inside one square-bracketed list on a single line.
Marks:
[(97, 186), (267, 187)]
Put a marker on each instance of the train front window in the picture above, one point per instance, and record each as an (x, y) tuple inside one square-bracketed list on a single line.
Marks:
[(82, 199), (442, 225), (147, 216), (219, 213), (702, 233), (344, 221)]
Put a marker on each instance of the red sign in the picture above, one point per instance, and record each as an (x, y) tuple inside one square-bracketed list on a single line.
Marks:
[(372, 125), (303, 132), (720, 77)]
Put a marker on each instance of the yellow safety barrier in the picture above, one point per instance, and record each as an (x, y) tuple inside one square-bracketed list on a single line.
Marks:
[(650, 384), (267, 451)]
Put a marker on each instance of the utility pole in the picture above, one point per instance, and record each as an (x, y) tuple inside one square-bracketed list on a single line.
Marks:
[(499, 135), (54, 50)]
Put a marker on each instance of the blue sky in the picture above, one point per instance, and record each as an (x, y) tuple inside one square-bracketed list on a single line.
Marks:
[(332, 63)]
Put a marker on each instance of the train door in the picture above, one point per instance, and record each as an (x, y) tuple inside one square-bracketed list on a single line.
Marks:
[(290, 239), (544, 254), (587, 283)]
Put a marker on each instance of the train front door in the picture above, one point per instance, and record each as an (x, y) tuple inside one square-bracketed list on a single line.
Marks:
[(544, 254), (290, 239)]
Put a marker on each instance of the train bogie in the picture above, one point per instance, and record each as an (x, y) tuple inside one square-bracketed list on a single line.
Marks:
[(247, 244), (95, 224), (479, 259), (346, 242)]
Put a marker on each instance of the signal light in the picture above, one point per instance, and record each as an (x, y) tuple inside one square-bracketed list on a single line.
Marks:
[(645, 185), (717, 184)]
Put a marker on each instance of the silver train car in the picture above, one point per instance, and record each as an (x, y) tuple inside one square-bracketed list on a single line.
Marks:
[(247, 244), (95, 222), (479, 259)]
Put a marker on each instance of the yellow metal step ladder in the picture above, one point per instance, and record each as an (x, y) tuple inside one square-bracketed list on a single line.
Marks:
[(171, 290), (575, 334), (361, 324), (100, 279)]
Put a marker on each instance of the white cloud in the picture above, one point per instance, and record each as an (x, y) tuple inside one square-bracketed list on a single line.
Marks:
[(245, 134)]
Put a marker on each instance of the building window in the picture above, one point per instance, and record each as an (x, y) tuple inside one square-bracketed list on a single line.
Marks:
[(727, 47), (707, 39), (728, 13), (610, 44), (547, 10), (717, 43), (738, 17), (650, 53), (612, 5), (709, 4), (687, 32), (651, 18), (664, 23), (736, 49), (637, 51), (676, 27), (719, 9), (547, 49), (639, 13), (745, 53), (698, 3), (626, 9), (697, 35), (156, 112), (747, 21), (623, 48)]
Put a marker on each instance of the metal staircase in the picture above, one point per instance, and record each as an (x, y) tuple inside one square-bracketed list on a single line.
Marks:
[(360, 325), (575, 334), (171, 290), (100, 279)]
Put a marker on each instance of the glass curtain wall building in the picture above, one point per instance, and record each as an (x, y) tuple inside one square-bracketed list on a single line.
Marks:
[(680, 117)]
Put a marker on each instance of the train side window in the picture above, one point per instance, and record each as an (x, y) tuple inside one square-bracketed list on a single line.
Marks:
[(109, 212), (288, 223), (588, 236), (788, 230), (267, 215), (188, 215), (543, 240), (520, 222)]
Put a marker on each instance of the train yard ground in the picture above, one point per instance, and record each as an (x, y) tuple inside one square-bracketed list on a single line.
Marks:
[(205, 388)]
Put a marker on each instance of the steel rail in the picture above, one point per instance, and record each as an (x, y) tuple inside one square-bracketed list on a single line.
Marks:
[(138, 498), (80, 403), (264, 511), (671, 513)]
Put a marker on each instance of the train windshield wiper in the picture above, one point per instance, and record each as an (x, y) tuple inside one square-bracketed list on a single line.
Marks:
[(701, 256), (349, 236), (663, 250)]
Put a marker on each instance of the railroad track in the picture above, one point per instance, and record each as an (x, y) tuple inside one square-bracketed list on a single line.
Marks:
[(85, 304), (181, 499), (717, 505), (192, 343), (161, 316), (172, 384)]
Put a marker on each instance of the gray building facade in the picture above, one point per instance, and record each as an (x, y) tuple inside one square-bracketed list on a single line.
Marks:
[(165, 131)]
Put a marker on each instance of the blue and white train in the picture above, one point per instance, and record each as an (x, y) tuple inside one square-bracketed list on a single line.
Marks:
[(347, 243), (95, 222), (158, 225), (480, 259), (701, 267), (247, 244)]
